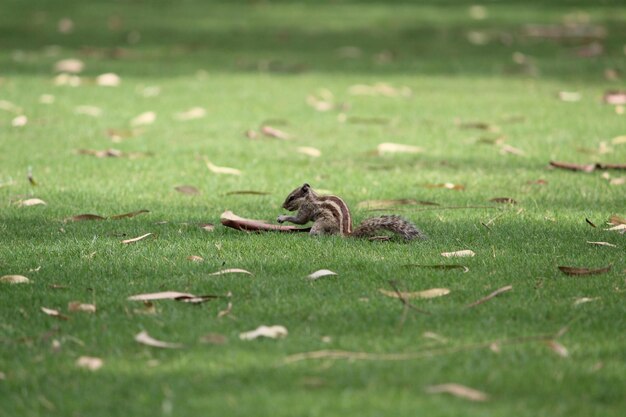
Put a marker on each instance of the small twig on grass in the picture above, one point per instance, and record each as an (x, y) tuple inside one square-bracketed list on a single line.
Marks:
[(490, 296), (366, 356)]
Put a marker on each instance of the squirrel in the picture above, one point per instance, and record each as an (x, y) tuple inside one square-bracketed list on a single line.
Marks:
[(331, 216)]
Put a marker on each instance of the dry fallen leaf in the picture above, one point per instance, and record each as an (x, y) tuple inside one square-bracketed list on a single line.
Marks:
[(619, 228), (187, 189), (75, 306), (144, 119), (558, 348), (274, 133), (321, 273), (226, 312), (191, 114), (207, 227), (619, 140), (388, 147), (459, 254), (616, 220), (19, 121), (84, 217), (129, 215), (136, 239), (431, 293), (602, 244), (53, 313), (31, 202), (14, 279), (309, 151), (221, 170), (231, 271), (195, 258), (145, 339), (71, 65), (457, 390), (615, 97), (503, 200), (568, 270), (272, 332), (108, 80), (583, 300), (89, 362), (163, 295)]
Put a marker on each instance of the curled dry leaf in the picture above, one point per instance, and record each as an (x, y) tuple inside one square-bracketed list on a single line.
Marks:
[(221, 170), (70, 65), (143, 119), (602, 244), (457, 390), (136, 239), (31, 202), (557, 348), (573, 271), (191, 114), (388, 147), (53, 313), (145, 339), (274, 133), (187, 189), (89, 362), (195, 258), (272, 332), (459, 254), (231, 271), (431, 293), (321, 273), (226, 312), (583, 300), (108, 79), (14, 279), (129, 215), (196, 299), (309, 151), (75, 306), (164, 295)]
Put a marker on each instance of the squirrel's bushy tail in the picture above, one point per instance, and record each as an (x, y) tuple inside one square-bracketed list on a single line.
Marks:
[(395, 224)]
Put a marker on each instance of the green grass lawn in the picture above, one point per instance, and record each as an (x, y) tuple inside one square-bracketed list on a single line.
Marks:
[(469, 86)]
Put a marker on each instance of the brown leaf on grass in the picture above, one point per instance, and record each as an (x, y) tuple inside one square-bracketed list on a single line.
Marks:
[(457, 390), (70, 65), (54, 313), (602, 244), (557, 348), (221, 170), (229, 219), (129, 215), (252, 134), (164, 295), (616, 220), (89, 362), (504, 149), (213, 339), (573, 167), (84, 217), (144, 119), (459, 254), (574, 271), (108, 79), (490, 296), (187, 189), (231, 271), (589, 222), (320, 273), (431, 293), (31, 202), (583, 300), (272, 132), (106, 153), (247, 192), (615, 97), (309, 151), (136, 239), (440, 266), (19, 121), (196, 299), (14, 279), (446, 185), (271, 332), (145, 339), (75, 306), (503, 200), (388, 147), (195, 258)]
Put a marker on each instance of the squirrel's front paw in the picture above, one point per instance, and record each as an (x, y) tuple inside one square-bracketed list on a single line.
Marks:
[(282, 219)]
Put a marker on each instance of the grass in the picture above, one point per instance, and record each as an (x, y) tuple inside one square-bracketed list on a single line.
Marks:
[(250, 63)]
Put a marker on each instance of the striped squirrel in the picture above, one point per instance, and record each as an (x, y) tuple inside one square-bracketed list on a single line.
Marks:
[(330, 215)]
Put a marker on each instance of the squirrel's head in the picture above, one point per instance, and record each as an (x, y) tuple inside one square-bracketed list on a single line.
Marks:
[(296, 197)]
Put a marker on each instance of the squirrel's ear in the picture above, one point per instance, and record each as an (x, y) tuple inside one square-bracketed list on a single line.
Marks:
[(306, 187)]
